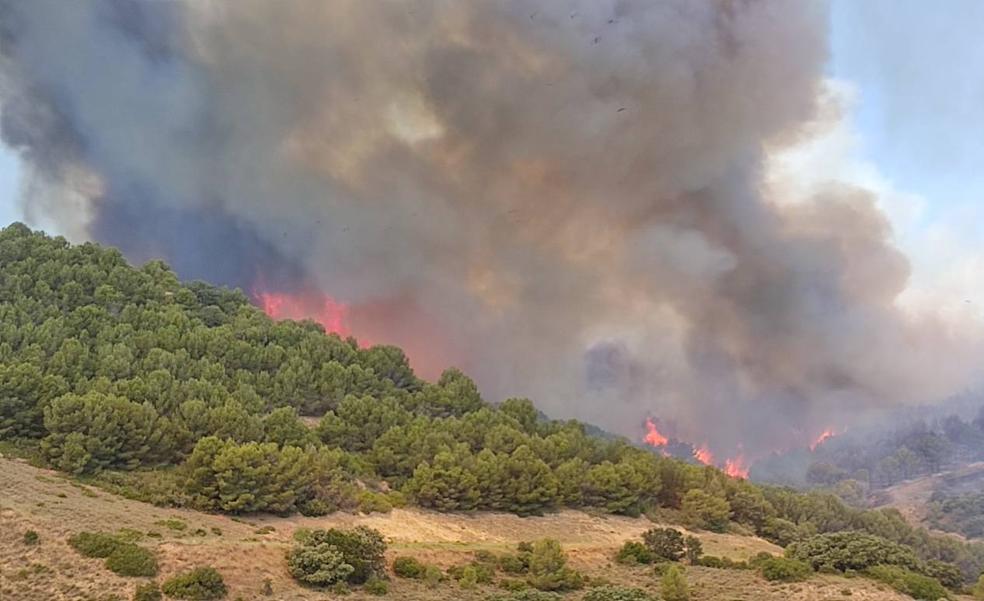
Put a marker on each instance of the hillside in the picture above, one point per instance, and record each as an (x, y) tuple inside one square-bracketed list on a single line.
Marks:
[(189, 401), (56, 507)]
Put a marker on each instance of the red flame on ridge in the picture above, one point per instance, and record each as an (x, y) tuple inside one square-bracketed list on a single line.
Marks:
[(653, 436), (824, 436), (333, 315), (736, 467), (703, 454)]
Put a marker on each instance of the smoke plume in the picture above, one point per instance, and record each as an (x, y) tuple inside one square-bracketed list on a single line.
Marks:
[(565, 199)]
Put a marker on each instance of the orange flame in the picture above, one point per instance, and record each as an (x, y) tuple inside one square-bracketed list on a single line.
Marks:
[(824, 436), (318, 307), (653, 436), (704, 455), (736, 467)]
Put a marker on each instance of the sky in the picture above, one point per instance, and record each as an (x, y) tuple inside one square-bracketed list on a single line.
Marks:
[(912, 84)]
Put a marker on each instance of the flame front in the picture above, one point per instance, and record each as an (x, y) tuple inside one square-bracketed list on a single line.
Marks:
[(653, 436), (318, 307), (703, 454), (736, 467), (824, 436)]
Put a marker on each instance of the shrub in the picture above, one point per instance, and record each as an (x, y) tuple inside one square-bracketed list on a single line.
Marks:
[(479, 572), (319, 564), (514, 564), (147, 592), (528, 595), (94, 544), (408, 567), (548, 568), (324, 557), (376, 586), (374, 502), (130, 560), (665, 543), (513, 584), (617, 593), (694, 549), (710, 561), (468, 577), (673, 585), (200, 584), (978, 590), (340, 588), (909, 583), (840, 551), (633, 552), (484, 556), (31, 538), (784, 570), (433, 576)]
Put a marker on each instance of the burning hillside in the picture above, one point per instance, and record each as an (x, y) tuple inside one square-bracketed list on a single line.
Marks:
[(568, 203)]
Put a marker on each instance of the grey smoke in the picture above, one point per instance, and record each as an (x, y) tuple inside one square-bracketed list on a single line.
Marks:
[(565, 201)]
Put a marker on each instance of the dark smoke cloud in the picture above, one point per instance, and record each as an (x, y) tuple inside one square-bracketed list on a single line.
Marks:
[(565, 199)]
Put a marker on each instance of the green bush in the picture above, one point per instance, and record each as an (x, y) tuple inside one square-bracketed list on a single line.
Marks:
[(479, 573), (514, 564), (909, 583), (200, 584), (710, 561), (673, 585), (31, 538), (664, 543), (528, 595), (433, 576), (147, 592), (693, 549), (978, 589), (94, 544), (513, 584), (322, 556), (319, 564), (408, 567), (374, 502), (840, 551), (784, 570), (376, 586), (340, 588), (617, 593), (128, 559), (548, 568), (633, 552), (947, 574)]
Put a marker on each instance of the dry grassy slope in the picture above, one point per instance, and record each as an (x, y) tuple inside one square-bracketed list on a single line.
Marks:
[(56, 507)]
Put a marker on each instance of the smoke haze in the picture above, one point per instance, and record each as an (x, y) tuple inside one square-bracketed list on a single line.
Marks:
[(566, 199)]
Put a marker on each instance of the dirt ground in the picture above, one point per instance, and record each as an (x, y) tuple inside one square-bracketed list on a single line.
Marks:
[(250, 551)]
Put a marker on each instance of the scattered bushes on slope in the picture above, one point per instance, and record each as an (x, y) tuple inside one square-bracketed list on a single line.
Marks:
[(617, 593), (784, 570)]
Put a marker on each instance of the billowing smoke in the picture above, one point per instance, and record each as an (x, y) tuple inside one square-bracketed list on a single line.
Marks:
[(565, 199)]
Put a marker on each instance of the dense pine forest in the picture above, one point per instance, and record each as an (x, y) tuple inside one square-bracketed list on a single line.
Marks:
[(185, 394)]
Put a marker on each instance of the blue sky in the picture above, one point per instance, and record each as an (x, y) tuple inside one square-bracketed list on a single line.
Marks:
[(917, 119)]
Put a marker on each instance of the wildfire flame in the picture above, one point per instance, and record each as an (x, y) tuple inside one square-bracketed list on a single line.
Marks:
[(318, 307), (704, 455), (824, 436), (736, 467), (653, 436)]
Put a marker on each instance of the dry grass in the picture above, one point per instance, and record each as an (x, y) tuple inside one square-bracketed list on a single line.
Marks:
[(246, 554)]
